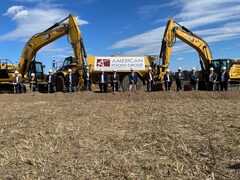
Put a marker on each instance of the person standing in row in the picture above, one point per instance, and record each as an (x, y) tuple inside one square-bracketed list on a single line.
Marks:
[(193, 79), (150, 80), (133, 80), (223, 79), (71, 81), (167, 80), (114, 80), (17, 83), (33, 85), (103, 81), (87, 76), (211, 82), (51, 82), (179, 79)]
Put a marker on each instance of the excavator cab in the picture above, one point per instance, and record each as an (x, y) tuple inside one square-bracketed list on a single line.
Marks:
[(6, 68), (219, 63), (38, 69)]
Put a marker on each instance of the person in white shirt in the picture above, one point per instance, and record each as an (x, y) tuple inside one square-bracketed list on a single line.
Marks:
[(51, 80), (87, 76), (103, 81), (17, 83), (167, 80), (179, 79), (71, 81), (193, 79), (133, 80), (223, 79), (150, 80), (211, 83), (33, 85), (114, 80)]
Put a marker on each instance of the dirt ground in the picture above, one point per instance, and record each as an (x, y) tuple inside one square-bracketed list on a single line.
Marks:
[(159, 135)]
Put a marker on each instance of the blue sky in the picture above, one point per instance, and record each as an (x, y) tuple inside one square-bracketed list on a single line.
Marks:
[(128, 27)]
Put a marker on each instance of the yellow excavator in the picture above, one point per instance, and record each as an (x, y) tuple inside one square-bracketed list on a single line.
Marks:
[(175, 30), (27, 62)]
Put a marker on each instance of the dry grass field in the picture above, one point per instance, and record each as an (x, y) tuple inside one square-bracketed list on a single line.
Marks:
[(161, 135)]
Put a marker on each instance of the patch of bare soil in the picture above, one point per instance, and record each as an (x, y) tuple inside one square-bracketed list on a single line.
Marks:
[(159, 135)]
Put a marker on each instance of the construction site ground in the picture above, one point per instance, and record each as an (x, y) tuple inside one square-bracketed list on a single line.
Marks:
[(87, 135)]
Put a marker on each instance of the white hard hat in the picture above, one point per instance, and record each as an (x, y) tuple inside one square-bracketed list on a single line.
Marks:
[(168, 70), (149, 68), (180, 68), (69, 70), (223, 68), (87, 67), (193, 68), (50, 71), (211, 69), (16, 72), (114, 70), (32, 74)]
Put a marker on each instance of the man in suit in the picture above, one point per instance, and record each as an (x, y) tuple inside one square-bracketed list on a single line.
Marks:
[(133, 80), (179, 79), (149, 80), (87, 76), (193, 79), (115, 80), (51, 80), (167, 80), (103, 81), (71, 81), (211, 81), (223, 78), (17, 83)]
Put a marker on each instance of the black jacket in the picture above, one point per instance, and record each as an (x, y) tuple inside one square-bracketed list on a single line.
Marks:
[(85, 77), (226, 77), (105, 77), (112, 78), (170, 78), (193, 78), (214, 77), (148, 76), (53, 80), (74, 79)]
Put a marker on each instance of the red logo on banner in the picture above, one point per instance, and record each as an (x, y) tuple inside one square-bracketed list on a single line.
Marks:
[(103, 62)]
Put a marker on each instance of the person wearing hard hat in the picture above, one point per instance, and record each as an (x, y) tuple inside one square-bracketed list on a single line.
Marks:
[(51, 80), (33, 85), (179, 79), (167, 80), (223, 79), (17, 83), (87, 76), (149, 80), (133, 80), (70, 81), (103, 81), (193, 79), (211, 81), (114, 80)]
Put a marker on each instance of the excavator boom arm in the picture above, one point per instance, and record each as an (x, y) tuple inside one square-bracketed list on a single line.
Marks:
[(53, 33), (174, 30)]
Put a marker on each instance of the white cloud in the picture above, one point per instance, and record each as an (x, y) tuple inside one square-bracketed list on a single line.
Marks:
[(35, 20), (14, 10), (202, 14), (149, 10)]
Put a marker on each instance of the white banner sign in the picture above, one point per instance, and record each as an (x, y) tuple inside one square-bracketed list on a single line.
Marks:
[(119, 63)]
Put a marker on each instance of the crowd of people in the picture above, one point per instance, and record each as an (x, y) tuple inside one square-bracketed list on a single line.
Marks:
[(212, 80), (70, 80)]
